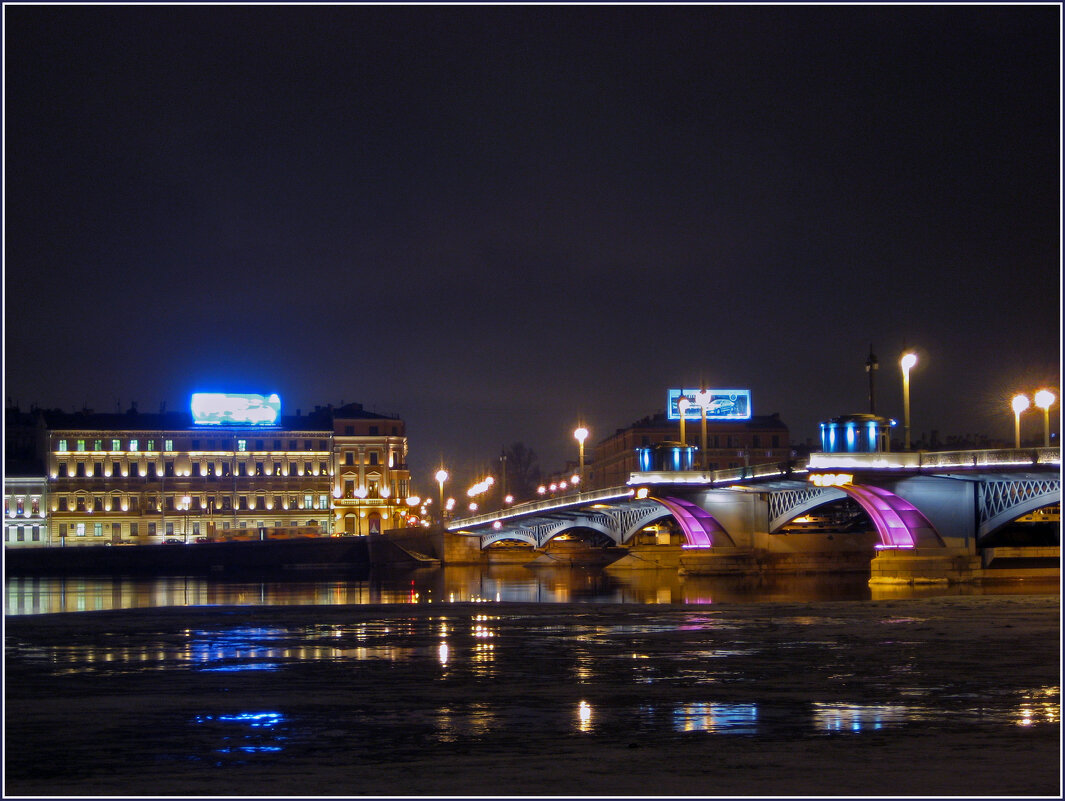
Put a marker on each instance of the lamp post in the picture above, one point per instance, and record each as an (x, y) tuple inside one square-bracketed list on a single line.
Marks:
[(907, 361), (682, 409), (1044, 399), (702, 400), (186, 503), (581, 434), (1019, 404), (871, 366), (441, 477)]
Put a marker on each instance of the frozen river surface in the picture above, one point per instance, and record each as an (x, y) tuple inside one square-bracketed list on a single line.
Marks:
[(937, 696)]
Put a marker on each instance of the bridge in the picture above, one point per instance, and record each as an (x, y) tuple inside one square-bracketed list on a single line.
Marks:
[(938, 502)]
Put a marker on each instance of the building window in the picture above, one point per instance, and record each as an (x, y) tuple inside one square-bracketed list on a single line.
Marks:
[(151, 529), (258, 444), (79, 470), (196, 529), (258, 468), (277, 501), (97, 529), (168, 503), (151, 445), (97, 504), (20, 534), (227, 503), (36, 533), (170, 529), (323, 501), (116, 444), (349, 458), (242, 468), (373, 457), (323, 469), (81, 445), (292, 468), (307, 445), (292, 444), (242, 444), (168, 444), (210, 469), (62, 504), (277, 444), (321, 444), (134, 529), (243, 503), (306, 468), (98, 469), (79, 529), (62, 446), (134, 445), (63, 470), (277, 468), (36, 507), (196, 468), (225, 469), (98, 445)]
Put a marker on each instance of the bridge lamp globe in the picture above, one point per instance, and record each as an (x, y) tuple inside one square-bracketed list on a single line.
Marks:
[(581, 434), (907, 362), (1044, 399), (1019, 404), (441, 477)]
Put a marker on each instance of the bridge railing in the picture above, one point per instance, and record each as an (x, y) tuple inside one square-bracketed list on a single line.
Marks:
[(916, 460), (549, 504)]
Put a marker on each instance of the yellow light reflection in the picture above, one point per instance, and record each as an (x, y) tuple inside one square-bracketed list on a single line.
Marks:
[(584, 716)]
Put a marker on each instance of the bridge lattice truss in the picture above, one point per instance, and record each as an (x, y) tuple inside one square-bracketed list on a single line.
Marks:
[(1000, 502), (618, 524), (785, 505)]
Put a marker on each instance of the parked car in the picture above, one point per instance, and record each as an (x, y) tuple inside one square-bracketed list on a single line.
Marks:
[(173, 541)]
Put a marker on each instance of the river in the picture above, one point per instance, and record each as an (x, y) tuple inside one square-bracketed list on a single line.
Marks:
[(32, 596)]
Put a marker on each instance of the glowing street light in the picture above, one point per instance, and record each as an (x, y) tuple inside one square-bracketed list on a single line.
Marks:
[(907, 361), (441, 477), (581, 434), (1019, 404), (1044, 399)]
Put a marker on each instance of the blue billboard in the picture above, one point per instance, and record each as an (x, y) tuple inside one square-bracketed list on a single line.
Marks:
[(227, 408), (721, 404)]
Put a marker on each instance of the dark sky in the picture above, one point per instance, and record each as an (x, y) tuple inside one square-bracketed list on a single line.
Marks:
[(494, 221)]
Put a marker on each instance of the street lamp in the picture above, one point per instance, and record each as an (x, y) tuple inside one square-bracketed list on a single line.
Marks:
[(682, 409), (441, 477), (1044, 399), (1019, 404), (907, 361), (702, 400), (186, 502), (581, 434)]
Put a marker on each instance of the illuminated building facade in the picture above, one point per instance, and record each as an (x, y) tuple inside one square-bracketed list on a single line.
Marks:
[(25, 511), (729, 444), (147, 478)]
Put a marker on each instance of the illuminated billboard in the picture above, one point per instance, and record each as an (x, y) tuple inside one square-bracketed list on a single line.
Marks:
[(721, 404), (225, 408)]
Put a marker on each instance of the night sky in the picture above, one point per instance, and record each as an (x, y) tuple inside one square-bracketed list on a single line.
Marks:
[(495, 221)]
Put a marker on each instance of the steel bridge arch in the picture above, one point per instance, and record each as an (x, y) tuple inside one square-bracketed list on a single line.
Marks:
[(786, 505), (1002, 502)]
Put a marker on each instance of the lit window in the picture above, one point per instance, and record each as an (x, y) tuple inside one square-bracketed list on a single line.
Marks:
[(242, 444), (151, 445), (116, 444), (62, 446), (308, 501), (168, 445), (323, 501), (79, 529), (97, 529), (134, 445), (81, 444), (98, 445)]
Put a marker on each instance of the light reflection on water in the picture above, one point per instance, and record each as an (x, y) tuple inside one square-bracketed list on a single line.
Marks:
[(513, 583)]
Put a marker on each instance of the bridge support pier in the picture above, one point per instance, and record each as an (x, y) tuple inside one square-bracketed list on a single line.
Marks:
[(924, 566)]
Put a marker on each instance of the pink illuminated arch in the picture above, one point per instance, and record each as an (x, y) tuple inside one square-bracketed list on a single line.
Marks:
[(700, 528), (899, 523)]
